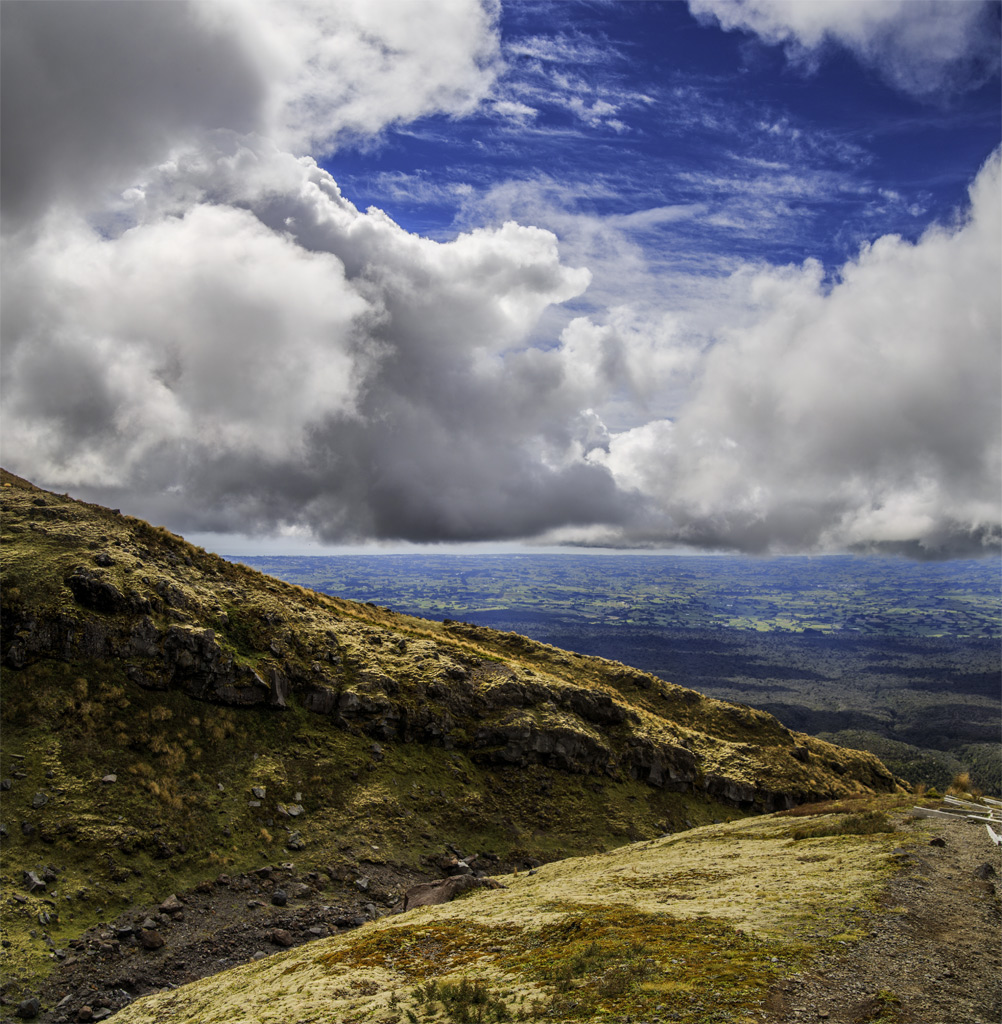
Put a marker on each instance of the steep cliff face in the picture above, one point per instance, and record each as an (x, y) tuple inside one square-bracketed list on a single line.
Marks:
[(84, 583)]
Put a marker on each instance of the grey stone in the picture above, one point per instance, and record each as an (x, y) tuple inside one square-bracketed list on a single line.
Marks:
[(279, 898), (29, 1009), (429, 894), (39, 800), (33, 883)]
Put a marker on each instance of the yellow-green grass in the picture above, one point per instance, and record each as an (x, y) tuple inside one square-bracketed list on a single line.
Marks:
[(699, 924)]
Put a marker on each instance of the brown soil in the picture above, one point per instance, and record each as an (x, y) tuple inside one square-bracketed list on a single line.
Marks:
[(934, 953)]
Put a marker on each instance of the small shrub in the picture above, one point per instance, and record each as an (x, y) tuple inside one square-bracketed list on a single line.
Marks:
[(463, 1002)]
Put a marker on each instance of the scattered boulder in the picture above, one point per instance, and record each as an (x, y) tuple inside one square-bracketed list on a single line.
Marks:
[(171, 905), (109, 779), (39, 800), (280, 937), (295, 841), (150, 938), (429, 894), (29, 1009), (984, 871), (33, 883), (937, 841), (279, 898)]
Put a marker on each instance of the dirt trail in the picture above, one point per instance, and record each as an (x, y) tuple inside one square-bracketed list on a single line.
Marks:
[(934, 956)]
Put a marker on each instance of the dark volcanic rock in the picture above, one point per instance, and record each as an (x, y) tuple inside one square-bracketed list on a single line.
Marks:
[(93, 592), (150, 938), (29, 1009)]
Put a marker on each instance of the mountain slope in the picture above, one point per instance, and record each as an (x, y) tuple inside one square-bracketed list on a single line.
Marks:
[(770, 918), (169, 716)]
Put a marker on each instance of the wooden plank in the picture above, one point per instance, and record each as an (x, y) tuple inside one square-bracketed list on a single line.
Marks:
[(958, 815), (965, 803)]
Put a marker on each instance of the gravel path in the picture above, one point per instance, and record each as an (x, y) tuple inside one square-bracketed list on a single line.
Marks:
[(934, 956)]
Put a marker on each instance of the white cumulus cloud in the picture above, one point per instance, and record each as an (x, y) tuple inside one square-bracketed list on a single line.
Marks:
[(923, 47), (867, 413)]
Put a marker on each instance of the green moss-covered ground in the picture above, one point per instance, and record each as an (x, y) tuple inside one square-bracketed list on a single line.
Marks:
[(691, 928)]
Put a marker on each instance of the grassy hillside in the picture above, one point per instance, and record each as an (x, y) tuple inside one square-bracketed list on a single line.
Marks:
[(714, 925), (169, 716)]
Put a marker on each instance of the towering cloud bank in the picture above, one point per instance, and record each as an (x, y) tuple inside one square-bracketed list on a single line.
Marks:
[(200, 328), (864, 414)]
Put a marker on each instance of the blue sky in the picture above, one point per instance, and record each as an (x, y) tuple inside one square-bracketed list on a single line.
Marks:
[(704, 275), (626, 109)]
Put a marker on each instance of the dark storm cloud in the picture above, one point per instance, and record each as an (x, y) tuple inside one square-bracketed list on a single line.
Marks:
[(93, 92)]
